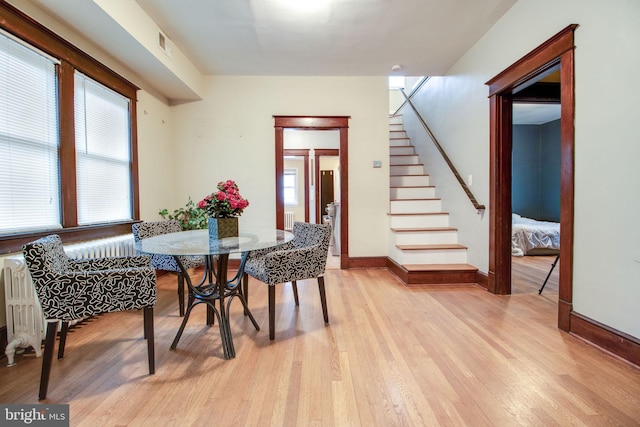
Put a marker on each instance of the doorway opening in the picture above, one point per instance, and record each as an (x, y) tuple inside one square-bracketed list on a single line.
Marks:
[(558, 51), (314, 159), (535, 194)]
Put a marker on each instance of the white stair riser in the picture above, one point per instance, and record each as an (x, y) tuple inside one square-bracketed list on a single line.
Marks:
[(406, 149), (425, 237), (407, 170), (412, 193), (419, 221), (409, 181), (400, 142), (412, 159), (448, 256), (396, 120), (415, 206)]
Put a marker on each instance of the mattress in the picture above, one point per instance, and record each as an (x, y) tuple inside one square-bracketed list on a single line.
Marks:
[(533, 237)]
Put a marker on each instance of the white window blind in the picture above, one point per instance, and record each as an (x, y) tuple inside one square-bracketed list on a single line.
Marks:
[(29, 173), (102, 153)]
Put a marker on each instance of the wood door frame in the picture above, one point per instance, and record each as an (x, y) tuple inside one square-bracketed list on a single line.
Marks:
[(321, 152), (340, 123), (305, 154), (559, 49)]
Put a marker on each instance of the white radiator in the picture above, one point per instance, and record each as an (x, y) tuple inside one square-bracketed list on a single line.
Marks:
[(25, 321), (288, 221)]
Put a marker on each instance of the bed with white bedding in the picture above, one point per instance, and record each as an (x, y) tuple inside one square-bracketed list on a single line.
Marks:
[(532, 237)]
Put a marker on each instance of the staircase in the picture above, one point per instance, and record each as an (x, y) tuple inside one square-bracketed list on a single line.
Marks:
[(424, 248)]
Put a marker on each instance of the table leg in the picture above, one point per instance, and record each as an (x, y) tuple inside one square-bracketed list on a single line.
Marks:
[(227, 340)]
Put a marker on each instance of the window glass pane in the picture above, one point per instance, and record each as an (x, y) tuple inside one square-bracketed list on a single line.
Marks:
[(289, 180), (102, 153), (290, 183), (29, 177)]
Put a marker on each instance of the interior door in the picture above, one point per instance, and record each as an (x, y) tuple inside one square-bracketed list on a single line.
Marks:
[(326, 192)]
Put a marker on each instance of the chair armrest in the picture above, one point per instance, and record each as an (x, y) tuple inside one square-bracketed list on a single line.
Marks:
[(112, 263)]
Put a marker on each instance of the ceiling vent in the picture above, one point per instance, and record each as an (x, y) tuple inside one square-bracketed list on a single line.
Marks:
[(165, 44)]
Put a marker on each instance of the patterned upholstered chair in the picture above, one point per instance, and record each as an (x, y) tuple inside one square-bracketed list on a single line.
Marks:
[(71, 290), (142, 230), (304, 257)]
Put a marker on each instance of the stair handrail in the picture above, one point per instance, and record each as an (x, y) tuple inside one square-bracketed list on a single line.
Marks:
[(415, 89), (464, 185)]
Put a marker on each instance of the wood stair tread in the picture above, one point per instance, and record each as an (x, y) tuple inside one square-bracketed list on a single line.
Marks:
[(412, 186), (450, 246), (409, 174), (415, 199), (439, 267), (418, 213), (419, 229)]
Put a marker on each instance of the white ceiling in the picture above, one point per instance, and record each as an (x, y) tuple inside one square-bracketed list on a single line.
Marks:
[(278, 37)]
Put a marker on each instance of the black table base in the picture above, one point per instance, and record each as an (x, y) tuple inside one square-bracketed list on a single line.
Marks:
[(215, 287)]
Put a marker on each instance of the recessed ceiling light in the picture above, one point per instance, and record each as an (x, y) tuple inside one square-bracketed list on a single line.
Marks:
[(304, 6)]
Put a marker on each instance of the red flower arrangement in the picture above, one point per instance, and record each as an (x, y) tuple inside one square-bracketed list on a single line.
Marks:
[(224, 203)]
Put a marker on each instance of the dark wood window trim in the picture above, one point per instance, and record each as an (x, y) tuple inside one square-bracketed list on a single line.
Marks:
[(340, 123), (71, 58), (559, 49)]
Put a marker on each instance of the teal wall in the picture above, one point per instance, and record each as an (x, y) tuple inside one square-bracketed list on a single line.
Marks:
[(536, 171)]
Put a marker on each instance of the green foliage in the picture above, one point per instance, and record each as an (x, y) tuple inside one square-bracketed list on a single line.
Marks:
[(191, 217)]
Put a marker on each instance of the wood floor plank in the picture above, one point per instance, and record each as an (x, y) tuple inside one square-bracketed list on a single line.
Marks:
[(390, 355)]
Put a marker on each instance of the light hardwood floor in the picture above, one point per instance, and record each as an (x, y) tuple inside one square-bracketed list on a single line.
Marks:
[(437, 355), (528, 274)]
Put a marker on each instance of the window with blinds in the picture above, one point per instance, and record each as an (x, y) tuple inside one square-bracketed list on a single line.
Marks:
[(68, 139), (29, 173), (103, 177)]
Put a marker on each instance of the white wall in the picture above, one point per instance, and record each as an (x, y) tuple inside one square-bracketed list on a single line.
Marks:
[(300, 139), (157, 155), (230, 135), (607, 179)]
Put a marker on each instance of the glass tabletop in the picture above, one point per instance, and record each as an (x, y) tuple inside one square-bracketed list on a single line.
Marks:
[(197, 242)]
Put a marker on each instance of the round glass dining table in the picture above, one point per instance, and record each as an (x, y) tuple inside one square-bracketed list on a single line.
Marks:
[(215, 285)]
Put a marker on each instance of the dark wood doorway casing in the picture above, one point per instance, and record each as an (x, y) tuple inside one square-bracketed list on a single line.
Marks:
[(340, 123), (559, 49)]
